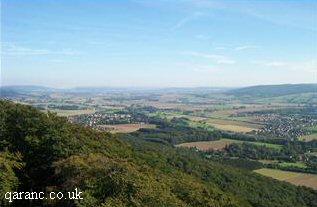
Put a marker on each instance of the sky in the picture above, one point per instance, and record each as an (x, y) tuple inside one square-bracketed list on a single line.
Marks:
[(161, 43)]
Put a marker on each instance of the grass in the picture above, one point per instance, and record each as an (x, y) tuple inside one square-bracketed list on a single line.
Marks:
[(125, 128), (293, 164), (302, 179), (268, 145), (310, 137), (285, 164), (227, 124), (268, 161), (209, 145), (72, 112), (277, 174), (232, 125), (222, 143)]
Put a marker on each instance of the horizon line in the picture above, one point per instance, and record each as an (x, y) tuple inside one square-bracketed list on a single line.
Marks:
[(151, 87)]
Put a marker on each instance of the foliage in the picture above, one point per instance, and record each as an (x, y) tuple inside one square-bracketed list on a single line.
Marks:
[(8, 179)]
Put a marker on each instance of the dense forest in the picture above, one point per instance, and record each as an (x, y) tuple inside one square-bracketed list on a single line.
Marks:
[(44, 152)]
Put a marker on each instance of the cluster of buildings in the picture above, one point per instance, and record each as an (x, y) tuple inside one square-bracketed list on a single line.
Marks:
[(285, 126), (98, 118)]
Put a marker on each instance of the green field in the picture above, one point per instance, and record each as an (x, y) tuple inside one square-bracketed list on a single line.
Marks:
[(303, 179), (72, 112), (311, 136), (222, 143), (273, 146), (231, 125), (293, 164), (284, 164)]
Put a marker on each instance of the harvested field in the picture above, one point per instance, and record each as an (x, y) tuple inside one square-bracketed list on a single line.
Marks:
[(221, 144), (125, 128), (308, 138), (301, 179), (209, 145), (234, 126), (72, 112)]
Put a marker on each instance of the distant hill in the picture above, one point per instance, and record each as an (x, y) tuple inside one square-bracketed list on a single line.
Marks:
[(9, 91), (274, 90), (254, 91), (14, 91)]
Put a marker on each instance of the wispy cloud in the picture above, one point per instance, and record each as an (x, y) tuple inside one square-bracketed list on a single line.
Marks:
[(261, 10), (220, 48), (187, 19), (219, 59), (202, 37), (276, 64), (245, 47), (309, 66), (197, 67), (12, 49), (205, 69)]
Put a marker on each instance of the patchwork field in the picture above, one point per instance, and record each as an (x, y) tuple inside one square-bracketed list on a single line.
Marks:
[(248, 108), (209, 145), (303, 179), (72, 112), (234, 126), (295, 164), (308, 138), (221, 144), (125, 128)]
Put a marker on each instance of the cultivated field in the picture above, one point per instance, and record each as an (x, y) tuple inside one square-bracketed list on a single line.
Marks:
[(221, 144), (125, 128), (72, 112), (234, 126), (309, 180), (209, 145), (308, 138)]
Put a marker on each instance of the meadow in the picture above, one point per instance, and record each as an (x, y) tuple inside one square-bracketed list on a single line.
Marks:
[(232, 125), (68, 113), (301, 179), (221, 144), (125, 128), (311, 136)]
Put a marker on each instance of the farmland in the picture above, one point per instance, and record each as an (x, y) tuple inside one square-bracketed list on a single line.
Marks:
[(295, 178), (311, 136), (68, 113), (125, 128), (208, 145), (221, 144), (259, 134), (308, 138), (235, 126)]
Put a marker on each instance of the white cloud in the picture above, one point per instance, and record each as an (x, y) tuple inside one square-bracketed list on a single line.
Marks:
[(202, 37), (187, 19), (219, 59), (309, 66), (197, 67), (245, 47), (276, 64), (220, 48), (205, 69), (16, 50)]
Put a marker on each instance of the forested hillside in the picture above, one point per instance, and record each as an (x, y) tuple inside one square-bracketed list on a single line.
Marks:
[(274, 90), (43, 152)]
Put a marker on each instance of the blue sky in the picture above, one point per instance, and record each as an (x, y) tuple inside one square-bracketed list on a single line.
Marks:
[(184, 43)]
